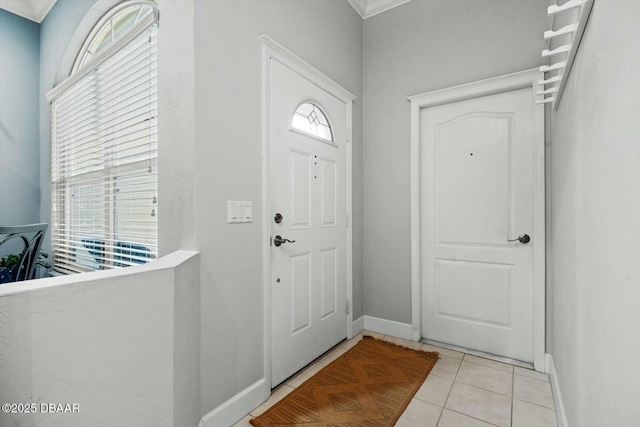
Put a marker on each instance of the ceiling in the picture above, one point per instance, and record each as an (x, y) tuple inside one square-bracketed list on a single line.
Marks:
[(369, 8), (34, 10)]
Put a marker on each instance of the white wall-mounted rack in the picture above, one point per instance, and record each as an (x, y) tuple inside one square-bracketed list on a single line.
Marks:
[(562, 45)]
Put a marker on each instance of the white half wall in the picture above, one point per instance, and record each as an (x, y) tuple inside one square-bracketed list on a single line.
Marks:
[(122, 344)]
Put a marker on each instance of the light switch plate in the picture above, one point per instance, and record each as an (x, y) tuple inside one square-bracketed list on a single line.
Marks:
[(239, 212)]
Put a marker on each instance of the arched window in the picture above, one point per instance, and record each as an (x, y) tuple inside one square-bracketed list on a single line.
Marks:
[(115, 24), (104, 173), (310, 118)]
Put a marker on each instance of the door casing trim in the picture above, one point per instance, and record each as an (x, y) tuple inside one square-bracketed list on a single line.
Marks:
[(273, 50), (523, 79)]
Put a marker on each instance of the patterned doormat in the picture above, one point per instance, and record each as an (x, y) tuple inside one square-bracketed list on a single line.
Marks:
[(370, 385)]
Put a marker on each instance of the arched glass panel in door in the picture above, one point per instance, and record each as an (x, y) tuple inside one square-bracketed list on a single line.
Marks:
[(309, 118)]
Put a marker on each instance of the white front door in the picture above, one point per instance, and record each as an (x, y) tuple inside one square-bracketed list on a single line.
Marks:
[(477, 192), (308, 192)]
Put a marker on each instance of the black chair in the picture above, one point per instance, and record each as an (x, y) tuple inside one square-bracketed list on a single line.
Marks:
[(31, 237)]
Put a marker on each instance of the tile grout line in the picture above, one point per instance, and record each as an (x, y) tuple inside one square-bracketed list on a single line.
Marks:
[(491, 367), (444, 405), (449, 394), (440, 416), (531, 378), (535, 404), (450, 388), (475, 418), (452, 384), (513, 393), (512, 371), (486, 389)]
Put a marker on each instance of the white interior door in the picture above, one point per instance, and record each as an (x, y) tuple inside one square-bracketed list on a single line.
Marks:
[(308, 190), (477, 192)]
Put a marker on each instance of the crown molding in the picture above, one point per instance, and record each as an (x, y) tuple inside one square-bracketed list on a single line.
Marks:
[(42, 7), (34, 10), (368, 8), (37, 10), (360, 6)]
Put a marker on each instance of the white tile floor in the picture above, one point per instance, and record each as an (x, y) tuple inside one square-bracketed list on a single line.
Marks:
[(461, 390)]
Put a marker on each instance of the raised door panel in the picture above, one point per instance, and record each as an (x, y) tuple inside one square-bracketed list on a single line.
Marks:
[(300, 306), (473, 179), (474, 292), (329, 282), (300, 189)]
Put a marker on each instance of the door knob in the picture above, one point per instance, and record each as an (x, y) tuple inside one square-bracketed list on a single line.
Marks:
[(278, 240), (523, 238)]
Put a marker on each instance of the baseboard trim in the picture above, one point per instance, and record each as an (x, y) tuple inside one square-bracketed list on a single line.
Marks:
[(358, 326), (561, 415), (387, 327), (234, 409)]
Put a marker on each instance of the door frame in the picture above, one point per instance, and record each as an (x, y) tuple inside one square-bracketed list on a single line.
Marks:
[(523, 79), (273, 50)]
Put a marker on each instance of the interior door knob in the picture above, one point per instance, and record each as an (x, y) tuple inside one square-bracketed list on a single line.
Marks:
[(278, 240), (523, 238)]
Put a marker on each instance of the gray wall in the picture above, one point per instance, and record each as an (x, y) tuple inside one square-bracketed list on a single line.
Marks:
[(415, 48), (595, 221), (19, 161), (328, 35)]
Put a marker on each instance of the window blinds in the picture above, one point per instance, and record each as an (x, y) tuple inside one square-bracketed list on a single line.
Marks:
[(104, 177)]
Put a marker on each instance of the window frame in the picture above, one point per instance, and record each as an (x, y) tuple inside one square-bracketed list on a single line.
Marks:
[(137, 29), (98, 27), (112, 253)]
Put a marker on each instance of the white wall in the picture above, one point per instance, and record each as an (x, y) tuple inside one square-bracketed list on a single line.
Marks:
[(415, 48), (176, 126), (595, 221), (19, 160), (123, 344), (328, 35), (186, 342)]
